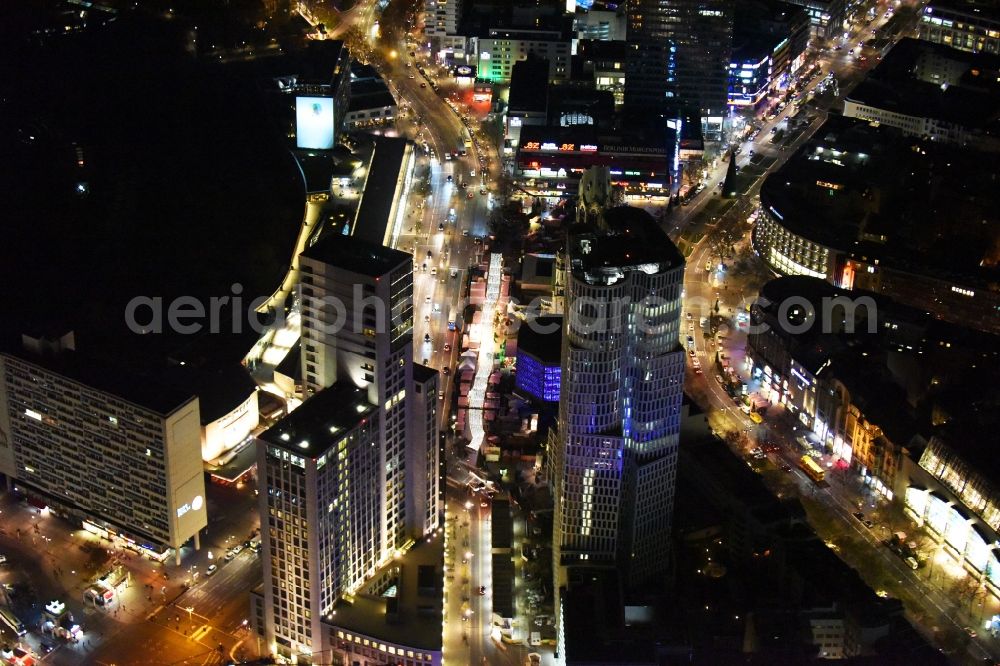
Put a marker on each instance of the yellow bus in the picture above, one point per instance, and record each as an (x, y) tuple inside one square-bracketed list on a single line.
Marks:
[(812, 468)]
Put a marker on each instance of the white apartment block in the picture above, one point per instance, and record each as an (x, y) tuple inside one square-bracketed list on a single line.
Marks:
[(103, 444)]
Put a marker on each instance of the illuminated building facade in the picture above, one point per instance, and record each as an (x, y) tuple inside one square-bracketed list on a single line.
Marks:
[(424, 457), (539, 358), (106, 444), (836, 211), (614, 451), (496, 52), (962, 24), (551, 160), (951, 491), (679, 56), (320, 514), (357, 327), (749, 77)]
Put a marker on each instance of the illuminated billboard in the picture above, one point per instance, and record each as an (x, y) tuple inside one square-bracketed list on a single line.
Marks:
[(314, 122)]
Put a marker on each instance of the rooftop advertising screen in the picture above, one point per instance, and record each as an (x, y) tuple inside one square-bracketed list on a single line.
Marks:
[(314, 122)]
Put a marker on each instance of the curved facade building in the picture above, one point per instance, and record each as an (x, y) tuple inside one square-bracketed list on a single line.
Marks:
[(789, 253), (614, 455), (867, 207)]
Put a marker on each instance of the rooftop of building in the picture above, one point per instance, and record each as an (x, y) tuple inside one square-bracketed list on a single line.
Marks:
[(542, 338), (502, 524), (318, 167), (630, 240), (148, 383), (986, 10), (600, 49), (503, 599), (233, 469), (874, 192), (756, 14), (594, 620), (879, 400), (369, 94), (529, 85), (356, 255), (827, 337), (974, 411), (384, 171), (423, 373), (628, 139), (911, 80), (363, 72), (321, 421), (753, 47), (413, 617), (221, 389), (598, 105)]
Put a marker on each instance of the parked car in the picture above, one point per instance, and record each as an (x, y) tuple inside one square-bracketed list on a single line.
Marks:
[(211, 569)]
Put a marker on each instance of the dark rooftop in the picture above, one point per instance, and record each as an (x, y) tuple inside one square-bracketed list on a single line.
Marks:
[(880, 401), (151, 386), (546, 347), (221, 389), (415, 620), (363, 72), (594, 621), (372, 223), (423, 374), (375, 99), (529, 85), (369, 94), (631, 239), (913, 204), (320, 421), (911, 80), (982, 9), (502, 525), (356, 255)]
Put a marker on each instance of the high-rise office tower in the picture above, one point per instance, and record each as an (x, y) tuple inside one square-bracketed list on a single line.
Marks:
[(614, 451), (352, 475), (320, 513), (679, 54), (357, 328)]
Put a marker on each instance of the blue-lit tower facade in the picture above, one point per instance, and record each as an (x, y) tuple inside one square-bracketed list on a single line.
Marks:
[(613, 454)]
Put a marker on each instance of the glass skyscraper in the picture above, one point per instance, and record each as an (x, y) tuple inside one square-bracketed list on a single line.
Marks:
[(614, 451)]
